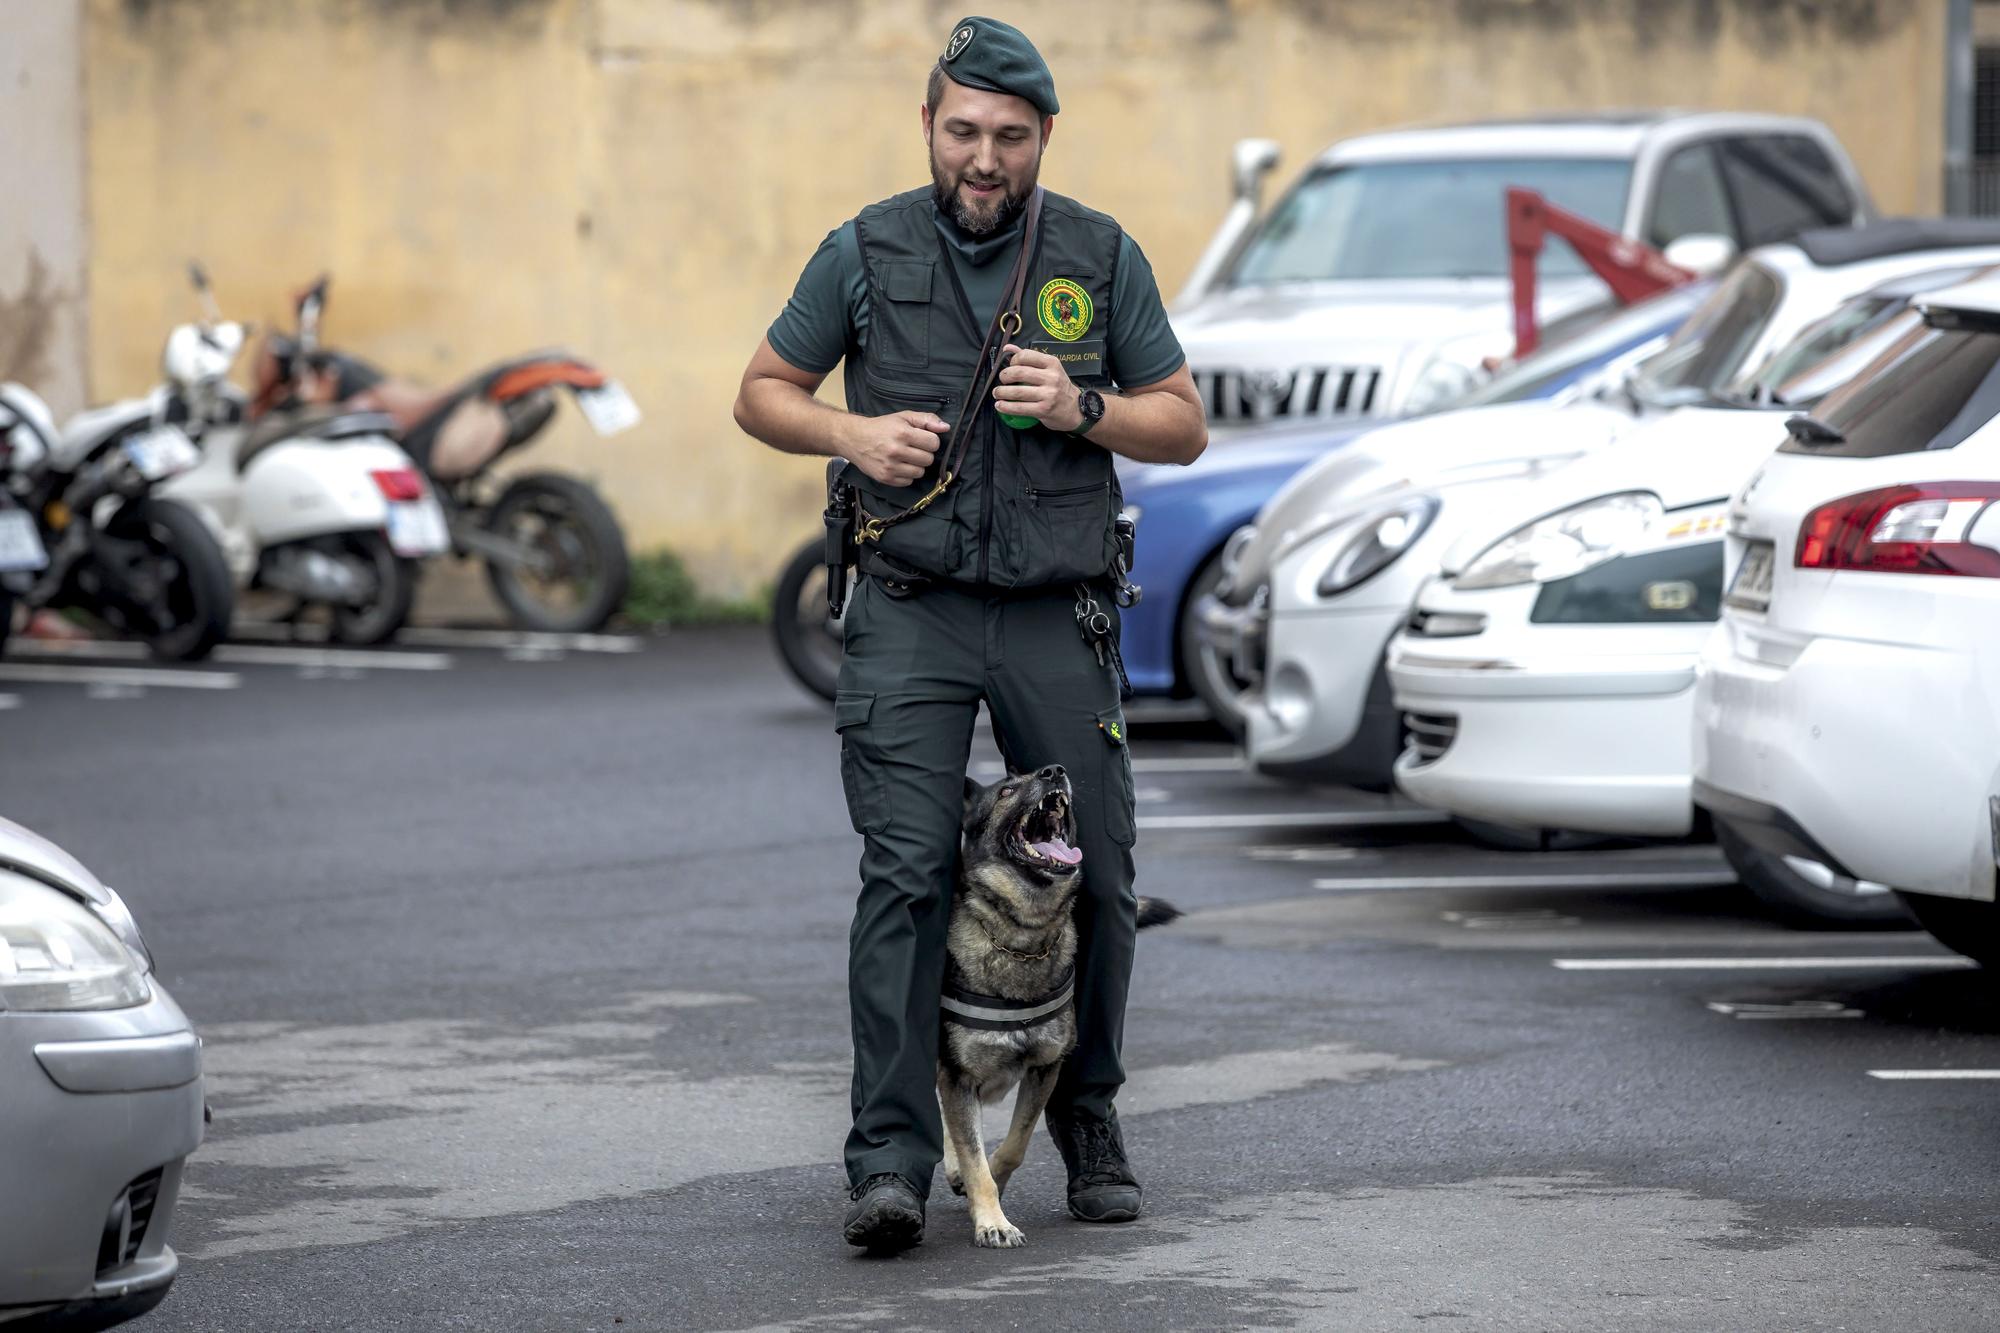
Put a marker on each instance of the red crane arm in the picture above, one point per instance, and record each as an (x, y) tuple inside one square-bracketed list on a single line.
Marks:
[(1631, 269)]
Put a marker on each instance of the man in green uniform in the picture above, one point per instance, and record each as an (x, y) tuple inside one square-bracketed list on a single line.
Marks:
[(974, 594)]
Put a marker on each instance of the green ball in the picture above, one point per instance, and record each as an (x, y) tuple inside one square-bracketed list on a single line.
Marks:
[(1018, 423)]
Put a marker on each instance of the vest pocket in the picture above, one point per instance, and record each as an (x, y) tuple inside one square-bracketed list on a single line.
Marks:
[(1056, 534), (902, 328), (918, 541)]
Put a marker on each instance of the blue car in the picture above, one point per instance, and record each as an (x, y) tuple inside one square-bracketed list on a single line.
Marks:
[(1186, 515)]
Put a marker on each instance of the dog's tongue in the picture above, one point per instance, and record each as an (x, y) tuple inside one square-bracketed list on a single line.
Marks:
[(1058, 850)]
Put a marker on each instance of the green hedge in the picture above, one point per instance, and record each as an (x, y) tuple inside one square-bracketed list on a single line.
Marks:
[(664, 593)]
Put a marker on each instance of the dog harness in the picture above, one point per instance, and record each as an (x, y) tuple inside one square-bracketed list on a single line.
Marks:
[(994, 1013)]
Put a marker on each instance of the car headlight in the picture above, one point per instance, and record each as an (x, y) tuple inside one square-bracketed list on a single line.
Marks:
[(56, 954), (1375, 545), (1564, 543), (115, 914), (1441, 382)]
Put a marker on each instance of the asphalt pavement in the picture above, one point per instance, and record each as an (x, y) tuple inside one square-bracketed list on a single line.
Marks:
[(521, 964)]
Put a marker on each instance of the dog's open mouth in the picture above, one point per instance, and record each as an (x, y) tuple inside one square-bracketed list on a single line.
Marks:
[(1046, 834)]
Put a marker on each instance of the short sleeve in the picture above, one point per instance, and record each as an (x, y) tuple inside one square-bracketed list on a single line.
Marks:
[(829, 306), (1143, 347)]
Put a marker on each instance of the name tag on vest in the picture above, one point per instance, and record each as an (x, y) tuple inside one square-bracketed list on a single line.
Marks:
[(1078, 358)]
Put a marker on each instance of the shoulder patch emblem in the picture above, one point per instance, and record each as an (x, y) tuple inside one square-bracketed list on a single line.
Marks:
[(959, 41), (1065, 309)]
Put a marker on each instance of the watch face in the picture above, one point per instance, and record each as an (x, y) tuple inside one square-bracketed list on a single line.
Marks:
[(1092, 405)]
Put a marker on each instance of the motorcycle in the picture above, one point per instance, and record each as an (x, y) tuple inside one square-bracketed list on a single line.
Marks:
[(555, 555), (317, 504), (809, 638), (144, 564), (22, 555)]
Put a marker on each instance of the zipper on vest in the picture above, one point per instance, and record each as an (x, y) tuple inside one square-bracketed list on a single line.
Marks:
[(1036, 494), (978, 410)]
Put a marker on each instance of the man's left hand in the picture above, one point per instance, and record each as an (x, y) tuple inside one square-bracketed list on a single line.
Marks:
[(1034, 384)]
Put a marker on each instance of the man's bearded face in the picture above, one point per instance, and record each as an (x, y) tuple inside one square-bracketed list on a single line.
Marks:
[(986, 157)]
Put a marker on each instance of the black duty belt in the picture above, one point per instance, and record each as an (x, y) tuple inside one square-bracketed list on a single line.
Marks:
[(995, 1013)]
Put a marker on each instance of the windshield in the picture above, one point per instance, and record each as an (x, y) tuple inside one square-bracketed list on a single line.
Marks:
[(1422, 219), (1930, 389), (1712, 346), (1625, 331)]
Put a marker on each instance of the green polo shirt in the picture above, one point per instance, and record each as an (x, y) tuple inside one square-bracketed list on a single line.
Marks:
[(828, 311)]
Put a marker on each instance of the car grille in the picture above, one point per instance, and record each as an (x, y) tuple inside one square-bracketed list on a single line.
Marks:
[(125, 1228), (1311, 392), (1431, 734)]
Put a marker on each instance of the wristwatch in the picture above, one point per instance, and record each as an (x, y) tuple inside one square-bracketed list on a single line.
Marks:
[(1090, 403)]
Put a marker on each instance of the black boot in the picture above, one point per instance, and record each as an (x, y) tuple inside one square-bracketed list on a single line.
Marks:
[(1102, 1187), (888, 1214)]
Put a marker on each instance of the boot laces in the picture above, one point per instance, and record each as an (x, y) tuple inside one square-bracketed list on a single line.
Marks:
[(870, 1183), (1100, 1153)]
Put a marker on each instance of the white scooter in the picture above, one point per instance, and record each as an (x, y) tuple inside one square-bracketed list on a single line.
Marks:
[(322, 506)]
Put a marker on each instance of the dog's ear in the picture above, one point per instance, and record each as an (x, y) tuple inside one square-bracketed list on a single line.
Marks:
[(973, 793)]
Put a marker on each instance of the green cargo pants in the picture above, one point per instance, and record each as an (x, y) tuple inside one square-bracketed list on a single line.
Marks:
[(915, 671)]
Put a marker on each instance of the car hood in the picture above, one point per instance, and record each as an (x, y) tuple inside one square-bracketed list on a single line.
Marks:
[(1689, 456), (1257, 451), (1451, 448), (1372, 322), (42, 859)]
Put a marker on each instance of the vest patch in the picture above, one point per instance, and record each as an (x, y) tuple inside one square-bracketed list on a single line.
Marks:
[(1064, 309)]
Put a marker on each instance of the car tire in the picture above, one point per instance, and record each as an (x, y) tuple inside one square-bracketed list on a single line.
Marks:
[(1204, 670), (1798, 900), (1959, 924)]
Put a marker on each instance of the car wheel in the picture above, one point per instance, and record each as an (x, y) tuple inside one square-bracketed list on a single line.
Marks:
[(1208, 672), (1959, 924), (1807, 894)]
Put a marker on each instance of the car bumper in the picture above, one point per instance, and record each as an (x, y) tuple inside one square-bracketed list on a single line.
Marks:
[(1594, 744), (1784, 750), (1323, 712), (98, 1113)]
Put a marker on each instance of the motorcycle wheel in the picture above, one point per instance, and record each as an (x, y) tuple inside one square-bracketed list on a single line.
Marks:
[(1208, 672), (378, 619), (809, 640), (6, 617), (568, 523), (198, 597), (1825, 901)]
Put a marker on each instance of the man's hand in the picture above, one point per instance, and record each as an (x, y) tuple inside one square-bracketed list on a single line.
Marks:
[(1034, 384), (895, 449)]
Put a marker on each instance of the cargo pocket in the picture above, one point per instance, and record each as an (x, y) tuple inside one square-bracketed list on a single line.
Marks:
[(860, 764), (902, 336), (1117, 784), (1060, 535)]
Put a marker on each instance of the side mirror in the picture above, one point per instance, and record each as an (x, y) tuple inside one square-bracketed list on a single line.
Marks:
[(1701, 253), (1251, 161)]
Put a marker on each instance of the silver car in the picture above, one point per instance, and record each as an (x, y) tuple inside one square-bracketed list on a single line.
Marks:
[(100, 1097)]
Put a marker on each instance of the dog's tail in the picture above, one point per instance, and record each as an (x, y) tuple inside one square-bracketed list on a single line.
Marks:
[(1157, 912)]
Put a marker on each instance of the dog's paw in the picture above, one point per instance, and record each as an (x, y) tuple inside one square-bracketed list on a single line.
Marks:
[(957, 1184), (1005, 1236)]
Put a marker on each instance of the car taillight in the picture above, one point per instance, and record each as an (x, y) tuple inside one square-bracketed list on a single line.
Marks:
[(402, 483), (1918, 529)]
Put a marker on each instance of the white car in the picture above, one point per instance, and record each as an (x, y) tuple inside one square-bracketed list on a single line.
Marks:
[(1847, 708), (1327, 578), (1378, 285), (100, 1098), (1547, 676)]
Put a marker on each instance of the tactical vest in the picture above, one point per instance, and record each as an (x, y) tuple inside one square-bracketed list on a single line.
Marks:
[(1029, 507)]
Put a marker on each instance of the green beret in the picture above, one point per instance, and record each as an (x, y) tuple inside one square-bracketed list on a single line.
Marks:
[(986, 53)]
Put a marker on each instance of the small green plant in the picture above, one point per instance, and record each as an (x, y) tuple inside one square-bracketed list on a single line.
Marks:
[(663, 593)]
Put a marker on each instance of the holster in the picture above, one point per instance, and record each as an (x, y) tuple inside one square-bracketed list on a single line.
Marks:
[(840, 544)]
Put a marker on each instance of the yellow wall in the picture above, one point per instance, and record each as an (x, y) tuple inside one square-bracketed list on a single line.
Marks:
[(642, 179)]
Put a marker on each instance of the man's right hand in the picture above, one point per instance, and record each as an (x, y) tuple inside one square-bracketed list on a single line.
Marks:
[(896, 449)]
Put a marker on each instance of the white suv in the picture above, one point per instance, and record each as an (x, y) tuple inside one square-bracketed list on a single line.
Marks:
[(1378, 285), (1847, 708)]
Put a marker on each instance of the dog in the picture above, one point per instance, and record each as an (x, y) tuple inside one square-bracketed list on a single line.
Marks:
[(1009, 1007)]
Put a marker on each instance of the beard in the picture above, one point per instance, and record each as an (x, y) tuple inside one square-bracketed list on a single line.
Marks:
[(980, 219)]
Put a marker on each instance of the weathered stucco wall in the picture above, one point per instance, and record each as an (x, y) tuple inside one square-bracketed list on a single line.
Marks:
[(43, 236), (642, 179)]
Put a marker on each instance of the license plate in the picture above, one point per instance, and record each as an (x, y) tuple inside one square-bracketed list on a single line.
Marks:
[(20, 545), (1751, 588), (417, 528), (609, 407), (161, 453)]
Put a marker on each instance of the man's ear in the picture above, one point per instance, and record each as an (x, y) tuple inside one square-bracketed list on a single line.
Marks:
[(926, 110)]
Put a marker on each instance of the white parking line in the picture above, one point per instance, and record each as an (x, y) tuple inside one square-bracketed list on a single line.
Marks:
[(53, 673), (10, 701), (241, 654), (438, 636), (1294, 819), (1609, 879), (993, 768), (1788, 1011), (1933, 1073), (1752, 964)]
